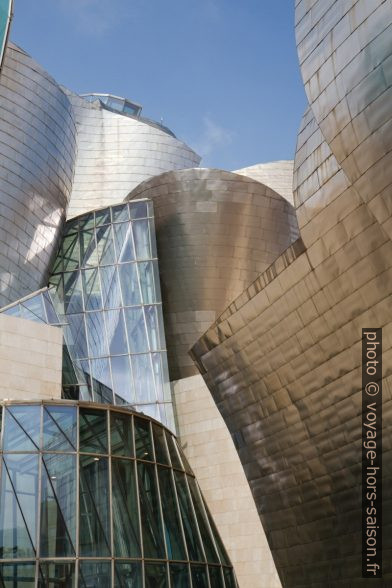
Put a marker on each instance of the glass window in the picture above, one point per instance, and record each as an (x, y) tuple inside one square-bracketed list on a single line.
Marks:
[(105, 245), (88, 249), (127, 574), (33, 308), (123, 242), (160, 444), (102, 217), (22, 428), (218, 542), (138, 209), (120, 213), (95, 574), (94, 532), (101, 380), (121, 434), (143, 439), (141, 235), (58, 505), (154, 328), (53, 318), (122, 378), (111, 293), (195, 551), (92, 431), (136, 327), (152, 531), (153, 240), (173, 451), (209, 547), (143, 378), (199, 576), (86, 222), (229, 578), (158, 376), (115, 329), (75, 336), (59, 428), (70, 253), (73, 297), (91, 289), (155, 575), (19, 500), (126, 533), (57, 575), (171, 518), (20, 575), (216, 580), (179, 575), (129, 284), (97, 341), (146, 272)]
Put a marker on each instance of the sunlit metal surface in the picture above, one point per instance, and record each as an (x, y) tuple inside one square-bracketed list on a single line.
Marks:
[(116, 153), (37, 150), (277, 175), (216, 231)]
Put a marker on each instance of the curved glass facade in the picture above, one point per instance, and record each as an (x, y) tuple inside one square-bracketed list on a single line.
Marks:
[(96, 496)]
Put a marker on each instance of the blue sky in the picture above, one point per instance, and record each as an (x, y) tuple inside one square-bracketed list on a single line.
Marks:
[(223, 74)]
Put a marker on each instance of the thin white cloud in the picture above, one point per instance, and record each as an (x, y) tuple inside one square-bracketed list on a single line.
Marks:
[(213, 137), (95, 17)]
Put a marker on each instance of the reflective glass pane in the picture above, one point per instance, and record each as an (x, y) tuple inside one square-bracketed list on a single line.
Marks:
[(188, 520), (174, 455), (152, 532), (57, 575), (122, 378), (86, 222), (120, 213), (123, 242), (59, 428), (141, 233), (199, 576), (143, 439), (76, 336), (153, 328), (94, 532), (22, 428), (158, 376), (102, 217), (161, 455), (129, 284), (17, 575), (19, 500), (96, 334), (111, 293), (115, 329), (58, 505), (153, 240), (202, 520), (155, 575), (137, 334), (92, 431), (229, 578), (218, 542), (171, 518), (138, 209), (179, 575), (216, 580), (70, 253), (121, 434), (125, 509), (105, 245), (127, 574), (88, 250), (91, 289), (95, 574), (143, 378), (101, 380), (73, 297), (146, 272), (51, 313), (34, 306)]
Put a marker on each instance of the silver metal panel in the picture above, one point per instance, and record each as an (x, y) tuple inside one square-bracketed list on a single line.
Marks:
[(216, 231), (37, 151), (277, 175)]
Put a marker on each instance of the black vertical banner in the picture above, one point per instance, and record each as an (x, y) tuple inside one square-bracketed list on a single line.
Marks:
[(372, 453)]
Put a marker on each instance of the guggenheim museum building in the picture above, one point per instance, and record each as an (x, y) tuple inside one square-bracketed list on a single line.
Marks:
[(180, 347)]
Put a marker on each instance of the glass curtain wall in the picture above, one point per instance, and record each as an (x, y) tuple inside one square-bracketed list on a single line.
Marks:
[(92, 496)]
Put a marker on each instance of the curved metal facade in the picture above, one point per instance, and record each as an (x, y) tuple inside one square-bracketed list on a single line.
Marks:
[(216, 231), (283, 362), (277, 175), (37, 150), (116, 153)]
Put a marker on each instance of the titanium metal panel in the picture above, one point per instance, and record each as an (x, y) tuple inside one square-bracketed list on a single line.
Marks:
[(277, 175)]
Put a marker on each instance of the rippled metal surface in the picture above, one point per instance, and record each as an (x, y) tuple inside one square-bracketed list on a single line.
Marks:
[(216, 231), (116, 153), (277, 175), (37, 151)]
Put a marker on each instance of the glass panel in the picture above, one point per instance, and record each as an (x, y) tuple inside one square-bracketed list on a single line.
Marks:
[(120, 213), (146, 272), (158, 376), (153, 542), (34, 306), (188, 520), (22, 428), (91, 289), (153, 328), (58, 505), (70, 252), (216, 580), (127, 574), (57, 575), (95, 574), (59, 428), (92, 431), (86, 222), (94, 533), (143, 439), (17, 575), (137, 335), (129, 284), (199, 576), (105, 245), (138, 209), (229, 578), (155, 575), (122, 378), (115, 328), (13, 311), (102, 217), (76, 336), (142, 239), (153, 240), (174, 456), (179, 576), (101, 380), (143, 378), (110, 287), (96, 334), (73, 298), (123, 242), (53, 318), (125, 509), (88, 250), (209, 547), (171, 518), (71, 226), (218, 542), (19, 500), (121, 434), (160, 444)]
